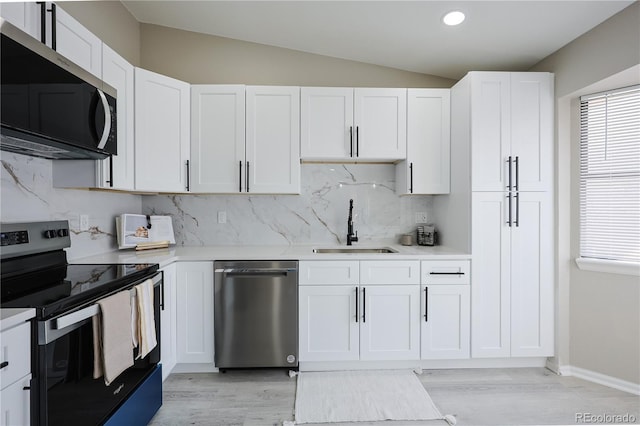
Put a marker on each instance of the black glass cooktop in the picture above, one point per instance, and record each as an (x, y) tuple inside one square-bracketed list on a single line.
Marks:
[(55, 290)]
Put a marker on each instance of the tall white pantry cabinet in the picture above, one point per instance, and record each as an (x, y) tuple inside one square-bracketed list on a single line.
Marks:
[(502, 149)]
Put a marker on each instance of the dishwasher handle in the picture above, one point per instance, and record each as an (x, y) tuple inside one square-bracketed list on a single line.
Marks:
[(272, 272)]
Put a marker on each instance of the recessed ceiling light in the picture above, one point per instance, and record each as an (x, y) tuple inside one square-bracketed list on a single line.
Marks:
[(453, 18)]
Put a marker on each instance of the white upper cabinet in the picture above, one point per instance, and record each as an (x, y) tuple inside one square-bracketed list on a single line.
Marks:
[(217, 138), (362, 124), (245, 139), (23, 15), (162, 132), (380, 118), (272, 139), (117, 172), (512, 145), (326, 123), (427, 168), (75, 42), (62, 32)]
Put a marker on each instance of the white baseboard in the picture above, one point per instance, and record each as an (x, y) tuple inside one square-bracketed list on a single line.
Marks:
[(602, 379), (423, 364)]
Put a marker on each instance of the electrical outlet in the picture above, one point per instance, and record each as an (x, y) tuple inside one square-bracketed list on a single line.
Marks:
[(222, 217), (84, 222), (421, 217)]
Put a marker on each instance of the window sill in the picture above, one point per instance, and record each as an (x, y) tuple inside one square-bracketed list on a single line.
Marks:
[(610, 266)]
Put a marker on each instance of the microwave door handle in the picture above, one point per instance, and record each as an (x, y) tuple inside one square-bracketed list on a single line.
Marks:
[(107, 120)]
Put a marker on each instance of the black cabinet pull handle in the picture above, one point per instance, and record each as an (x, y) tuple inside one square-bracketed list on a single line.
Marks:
[(53, 26), (357, 290), (240, 176), (411, 178), (446, 273), (247, 182), (364, 304), (162, 292), (351, 141), (426, 304), (188, 173), (509, 222), (4, 364), (517, 174), (509, 184), (357, 141), (110, 181), (43, 22), (517, 221)]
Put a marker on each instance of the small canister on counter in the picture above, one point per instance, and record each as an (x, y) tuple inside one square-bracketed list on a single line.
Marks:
[(406, 240)]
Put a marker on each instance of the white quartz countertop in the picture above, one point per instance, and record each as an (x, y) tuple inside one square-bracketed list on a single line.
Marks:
[(270, 252), (10, 317)]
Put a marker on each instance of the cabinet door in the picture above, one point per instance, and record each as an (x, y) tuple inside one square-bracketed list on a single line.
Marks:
[(194, 308), (490, 131), (390, 322), (532, 276), (24, 15), (117, 172), (168, 321), (273, 139), (78, 44), (445, 331), (15, 403), (532, 130), (491, 288), (326, 123), (161, 132), (217, 138), (426, 170), (380, 118), (328, 323)]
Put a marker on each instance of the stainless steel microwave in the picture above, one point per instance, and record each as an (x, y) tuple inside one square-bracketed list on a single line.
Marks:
[(50, 107)]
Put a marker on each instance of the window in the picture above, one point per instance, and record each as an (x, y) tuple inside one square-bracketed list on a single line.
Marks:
[(610, 175)]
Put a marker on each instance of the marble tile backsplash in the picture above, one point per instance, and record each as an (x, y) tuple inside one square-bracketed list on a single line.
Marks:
[(27, 195), (317, 215)]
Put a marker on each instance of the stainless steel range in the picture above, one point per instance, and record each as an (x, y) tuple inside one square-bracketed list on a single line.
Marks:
[(35, 274)]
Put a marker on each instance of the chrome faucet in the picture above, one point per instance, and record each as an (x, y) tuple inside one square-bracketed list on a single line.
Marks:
[(351, 237)]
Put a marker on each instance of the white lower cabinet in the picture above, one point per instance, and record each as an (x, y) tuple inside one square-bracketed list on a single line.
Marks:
[(194, 309), (329, 330), (445, 322), (168, 341), (343, 320), (15, 374), (15, 403), (445, 331), (390, 325)]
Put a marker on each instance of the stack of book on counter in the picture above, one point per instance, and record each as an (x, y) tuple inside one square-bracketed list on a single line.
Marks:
[(144, 232)]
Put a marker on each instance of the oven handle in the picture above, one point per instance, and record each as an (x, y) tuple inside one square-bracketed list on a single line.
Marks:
[(88, 312)]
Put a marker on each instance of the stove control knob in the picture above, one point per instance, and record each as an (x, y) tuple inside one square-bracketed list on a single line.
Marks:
[(62, 232), (50, 233)]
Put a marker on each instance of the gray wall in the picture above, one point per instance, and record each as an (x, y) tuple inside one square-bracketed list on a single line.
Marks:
[(200, 59), (111, 22), (598, 313)]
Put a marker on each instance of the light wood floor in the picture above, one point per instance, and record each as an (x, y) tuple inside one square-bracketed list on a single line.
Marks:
[(522, 396)]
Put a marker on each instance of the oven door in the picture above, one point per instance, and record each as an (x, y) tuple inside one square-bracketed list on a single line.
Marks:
[(65, 391)]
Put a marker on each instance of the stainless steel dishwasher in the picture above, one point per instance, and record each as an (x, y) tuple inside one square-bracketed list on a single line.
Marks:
[(256, 314)]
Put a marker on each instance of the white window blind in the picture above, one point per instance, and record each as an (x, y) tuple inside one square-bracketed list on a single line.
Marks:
[(610, 175)]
